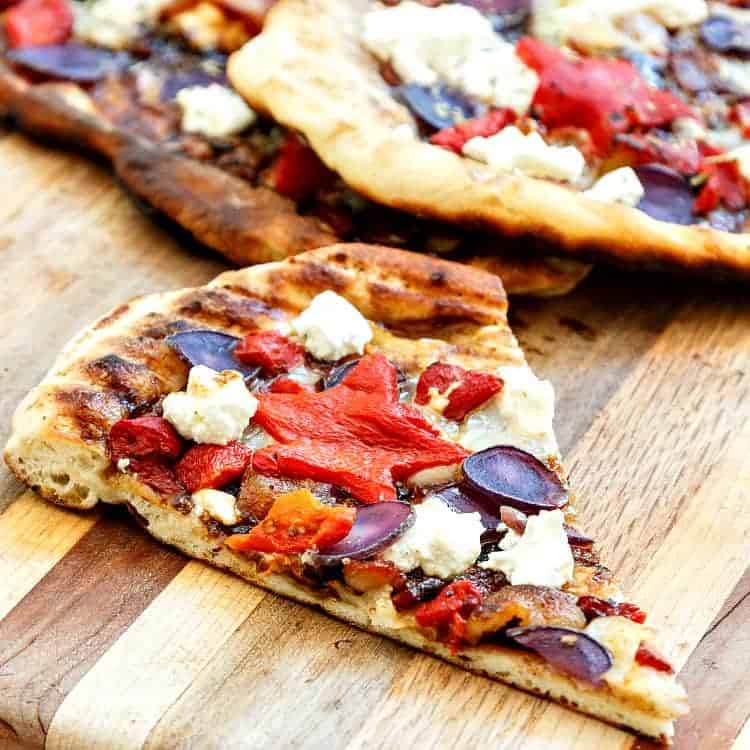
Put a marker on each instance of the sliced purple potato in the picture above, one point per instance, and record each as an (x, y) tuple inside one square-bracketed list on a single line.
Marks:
[(338, 373), (505, 475), (175, 83), (667, 194), (436, 105), (460, 502), (569, 651), (724, 34), (375, 527), (69, 62), (212, 349)]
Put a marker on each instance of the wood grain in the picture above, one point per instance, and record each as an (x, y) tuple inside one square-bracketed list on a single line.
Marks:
[(108, 640)]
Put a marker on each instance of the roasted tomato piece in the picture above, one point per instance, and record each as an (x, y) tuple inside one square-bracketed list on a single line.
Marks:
[(213, 466), (725, 185), (271, 350), (142, 437), (298, 171), (479, 127), (449, 610), (158, 475), (593, 606), (37, 23), (464, 389), (366, 575), (296, 522), (648, 656), (741, 115)]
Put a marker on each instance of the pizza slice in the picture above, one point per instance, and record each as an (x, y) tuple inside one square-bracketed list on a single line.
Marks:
[(355, 428), (615, 131), (144, 85)]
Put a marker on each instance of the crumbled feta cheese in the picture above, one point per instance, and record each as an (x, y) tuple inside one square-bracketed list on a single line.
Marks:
[(742, 157), (332, 328), (441, 542), (122, 464), (215, 408), (435, 476), (115, 23), (618, 186), (454, 44), (520, 415), (540, 556), (735, 73), (511, 150), (221, 506), (214, 110)]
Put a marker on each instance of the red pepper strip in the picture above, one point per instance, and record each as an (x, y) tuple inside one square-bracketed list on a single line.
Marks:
[(605, 97), (270, 350), (142, 437), (287, 385), (593, 606), (212, 466), (725, 185), (480, 127), (470, 388), (449, 610), (684, 157), (648, 657), (296, 522), (741, 115), (36, 23), (158, 475), (356, 435), (298, 171)]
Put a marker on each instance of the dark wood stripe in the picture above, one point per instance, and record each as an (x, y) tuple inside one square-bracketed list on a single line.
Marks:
[(63, 626)]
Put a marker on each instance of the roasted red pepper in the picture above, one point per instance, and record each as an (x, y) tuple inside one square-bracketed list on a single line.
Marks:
[(593, 606), (741, 115), (684, 157), (605, 97), (298, 171), (36, 23), (213, 466), (449, 610), (466, 389), (296, 522), (287, 385), (725, 185), (356, 435), (647, 656), (156, 474), (144, 437), (271, 350), (493, 122)]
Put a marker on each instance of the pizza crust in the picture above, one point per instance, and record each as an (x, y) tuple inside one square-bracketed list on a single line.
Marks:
[(309, 71)]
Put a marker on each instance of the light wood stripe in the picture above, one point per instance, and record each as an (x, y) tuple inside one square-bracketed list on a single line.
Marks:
[(153, 662), (34, 537)]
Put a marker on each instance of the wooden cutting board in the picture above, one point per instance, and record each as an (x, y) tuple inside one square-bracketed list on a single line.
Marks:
[(109, 640)]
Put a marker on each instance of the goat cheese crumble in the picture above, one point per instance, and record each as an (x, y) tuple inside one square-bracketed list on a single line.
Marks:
[(215, 408), (443, 543), (214, 110), (221, 506), (115, 23), (332, 328), (618, 186), (511, 150), (540, 556), (453, 44)]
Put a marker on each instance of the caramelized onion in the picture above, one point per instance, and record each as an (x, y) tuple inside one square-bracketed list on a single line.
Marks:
[(212, 349)]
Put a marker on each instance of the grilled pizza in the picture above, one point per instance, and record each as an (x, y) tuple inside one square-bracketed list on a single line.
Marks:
[(355, 428), (144, 84), (606, 129)]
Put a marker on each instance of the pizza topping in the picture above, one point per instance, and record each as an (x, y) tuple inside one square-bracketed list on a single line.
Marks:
[(593, 606), (331, 328), (436, 105), (208, 27), (449, 611), (455, 137), (115, 23), (618, 186), (452, 44), (69, 62), (214, 111), (460, 502), (621, 637), (215, 408), (457, 390), (35, 23), (158, 475), (212, 349), (511, 150), (648, 656), (370, 575), (221, 506), (723, 33), (298, 171), (509, 476), (212, 466), (271, 350), (540, 556), (667, 194), (375, 526), (682, 155), (296, 522), (605, 97), (143, 437), (724, 186), (570, 651), (441, 542)]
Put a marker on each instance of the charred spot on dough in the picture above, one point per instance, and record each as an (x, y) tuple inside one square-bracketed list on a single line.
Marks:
[(92, 412), (219, 308), (164, 327), (134, 381), (321, 277), (112, 317)]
